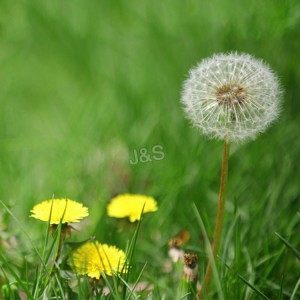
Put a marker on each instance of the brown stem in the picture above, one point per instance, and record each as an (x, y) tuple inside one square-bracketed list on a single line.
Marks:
[(219, 218), (65, 230)]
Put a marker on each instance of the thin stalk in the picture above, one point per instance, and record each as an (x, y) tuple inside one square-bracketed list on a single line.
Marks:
[(58, 253), (220, 214)]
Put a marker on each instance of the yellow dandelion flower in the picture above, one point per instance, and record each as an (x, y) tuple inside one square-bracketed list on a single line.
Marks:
[(130, 205), (65, 210), (96, 260)]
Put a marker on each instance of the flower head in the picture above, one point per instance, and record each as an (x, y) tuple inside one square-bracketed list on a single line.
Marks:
[(231, 96), (65, 210), (96, 260), (130, 205)]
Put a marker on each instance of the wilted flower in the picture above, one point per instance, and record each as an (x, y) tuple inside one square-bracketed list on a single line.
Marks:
[(231, 96), (96, 260), (188, 283), (131, 205), (176, 252), (54, 210), (190, 269)]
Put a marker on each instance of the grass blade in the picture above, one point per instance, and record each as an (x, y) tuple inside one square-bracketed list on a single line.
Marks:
[(15, 275), (248, 283), (289, 246), (210, 254), (295, 289), (136, 282), (253, 287)]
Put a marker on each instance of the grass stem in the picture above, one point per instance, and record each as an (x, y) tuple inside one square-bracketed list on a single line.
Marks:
[(220, 214)]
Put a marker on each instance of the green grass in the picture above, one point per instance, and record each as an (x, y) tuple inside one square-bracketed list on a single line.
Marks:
[(84, 83)]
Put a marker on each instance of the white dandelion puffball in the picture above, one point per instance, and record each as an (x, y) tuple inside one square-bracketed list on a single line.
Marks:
[(231, 96)]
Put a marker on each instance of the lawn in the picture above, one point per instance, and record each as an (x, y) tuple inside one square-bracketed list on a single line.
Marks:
[(90, 108)]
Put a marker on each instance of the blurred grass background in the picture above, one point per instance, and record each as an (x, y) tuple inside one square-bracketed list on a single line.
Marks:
[(84, 83)]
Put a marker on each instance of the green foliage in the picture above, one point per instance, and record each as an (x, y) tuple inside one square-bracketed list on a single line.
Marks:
[(84, 83)]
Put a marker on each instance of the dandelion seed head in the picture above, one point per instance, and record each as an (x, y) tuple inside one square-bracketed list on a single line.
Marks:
[(231, 96)]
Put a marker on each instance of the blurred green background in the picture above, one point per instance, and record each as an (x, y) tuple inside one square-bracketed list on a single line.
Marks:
[(85, 83)]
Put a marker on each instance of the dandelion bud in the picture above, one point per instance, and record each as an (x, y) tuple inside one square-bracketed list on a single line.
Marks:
[(231, 96)]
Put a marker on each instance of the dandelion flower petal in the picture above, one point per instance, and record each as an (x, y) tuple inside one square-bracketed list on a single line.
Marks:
[(131, 205), (66, 210), (96, 260)]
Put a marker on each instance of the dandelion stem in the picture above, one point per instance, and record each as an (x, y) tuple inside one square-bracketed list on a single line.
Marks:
[(220, 213)]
